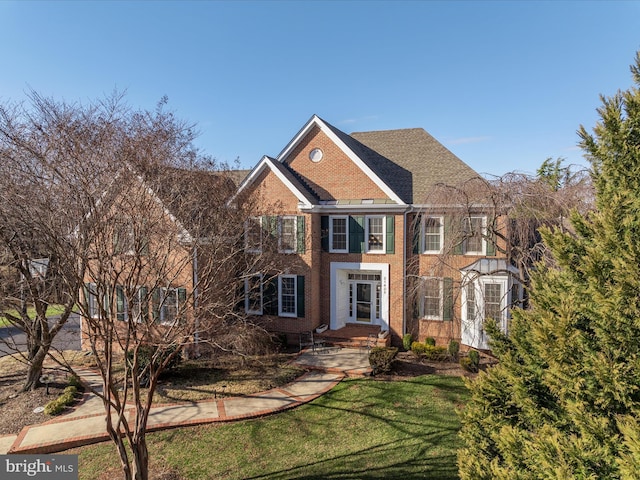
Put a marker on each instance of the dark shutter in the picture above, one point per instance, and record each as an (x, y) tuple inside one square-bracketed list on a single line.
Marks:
[(491, 243), (120, 303), (356, 234), (324, 233), (300, 296), (270, 296), (182, 297), (447, 292), (417, 231), (390, 233), (300, 233), (155, 304), (144, 304), (452, 235)]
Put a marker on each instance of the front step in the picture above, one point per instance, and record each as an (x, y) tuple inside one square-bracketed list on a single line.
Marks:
[(355, 336)]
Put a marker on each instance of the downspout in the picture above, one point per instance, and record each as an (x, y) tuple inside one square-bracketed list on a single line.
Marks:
[(404, 271)]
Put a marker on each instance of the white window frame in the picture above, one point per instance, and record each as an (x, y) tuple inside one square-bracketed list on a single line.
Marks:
[(367, 234), (331, 233), (483, 233), (247, 291), (423, 237), (249, 248), (423, 292), (92, 300), (282, 313), (281, 220), (127, 310), (162, 308)]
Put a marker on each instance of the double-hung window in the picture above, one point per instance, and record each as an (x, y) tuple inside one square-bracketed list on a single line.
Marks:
[(287, 240), (474, 231), (253, 294), (493, 301), (91, 293), (339, 234), (433, 234), (375, 234), (432, 299), (169, 307), (287, 296), (253, 235)]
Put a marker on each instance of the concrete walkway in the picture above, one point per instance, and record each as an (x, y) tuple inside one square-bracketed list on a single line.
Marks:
[(85, 424)]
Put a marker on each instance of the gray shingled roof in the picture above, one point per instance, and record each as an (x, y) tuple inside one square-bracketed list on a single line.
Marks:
[(410, 161)]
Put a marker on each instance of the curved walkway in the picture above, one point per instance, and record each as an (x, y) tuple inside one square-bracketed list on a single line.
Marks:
[(86, 423)]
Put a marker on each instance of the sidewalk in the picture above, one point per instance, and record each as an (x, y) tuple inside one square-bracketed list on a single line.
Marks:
[(86, 423)]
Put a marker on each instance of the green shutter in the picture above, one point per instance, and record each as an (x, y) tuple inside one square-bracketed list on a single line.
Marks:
[(491, 243), (182, 297), (324, 233), (300, 233), (391, 234), (447, 290), (356, 234), (270, 296), (300, 296), (120, 303), (417, 230), (452, 235)]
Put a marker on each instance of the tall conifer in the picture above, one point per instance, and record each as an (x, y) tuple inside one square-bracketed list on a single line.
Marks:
[(564, 401)]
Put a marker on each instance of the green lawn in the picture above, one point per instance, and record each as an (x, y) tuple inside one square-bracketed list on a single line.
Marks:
[(363, 428), (51, 311)]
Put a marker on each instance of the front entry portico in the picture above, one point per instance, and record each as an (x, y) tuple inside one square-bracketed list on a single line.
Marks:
[(359, 294)]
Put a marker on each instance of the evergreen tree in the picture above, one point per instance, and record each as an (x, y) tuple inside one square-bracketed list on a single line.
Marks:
[(564, 401)]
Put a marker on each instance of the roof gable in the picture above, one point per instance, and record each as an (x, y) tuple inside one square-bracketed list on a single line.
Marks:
[(344, 144)]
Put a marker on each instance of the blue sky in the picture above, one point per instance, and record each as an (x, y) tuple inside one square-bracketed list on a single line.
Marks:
[(503, 84)]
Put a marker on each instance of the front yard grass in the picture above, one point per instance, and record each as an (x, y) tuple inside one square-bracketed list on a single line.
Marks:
[(52, 310), (363, 428)]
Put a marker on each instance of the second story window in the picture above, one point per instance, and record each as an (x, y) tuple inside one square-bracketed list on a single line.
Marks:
[(339, 234), (474, 231), (253, 235), (433, 234), (375, 234), (288, 238)]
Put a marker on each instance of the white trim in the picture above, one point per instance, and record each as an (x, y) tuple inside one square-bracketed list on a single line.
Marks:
[(440, 315), (267, 162), (246, 295), (483, 233), (248, 248), (293, 314), (317, 121), (346, 246), (339, 293), (280, 219), (367, 235), (423, 234)]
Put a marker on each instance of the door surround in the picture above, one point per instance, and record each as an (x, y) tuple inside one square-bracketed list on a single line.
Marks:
[(339, 292)]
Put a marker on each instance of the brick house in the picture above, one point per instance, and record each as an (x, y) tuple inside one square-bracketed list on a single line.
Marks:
[(359, 245)]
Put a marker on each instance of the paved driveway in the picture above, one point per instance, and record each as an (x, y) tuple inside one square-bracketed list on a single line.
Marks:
[(67, 339)]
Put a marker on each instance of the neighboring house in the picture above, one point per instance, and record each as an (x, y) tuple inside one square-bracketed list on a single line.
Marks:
[(358, 245)]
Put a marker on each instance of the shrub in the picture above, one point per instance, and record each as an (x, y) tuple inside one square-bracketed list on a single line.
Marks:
[(54, 407), (430, 341), (74, 381), (471, 362), (145, 356), (418, 348), (407, 340), (381, 359), (454, 349), (437, 353), (474, 356)]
